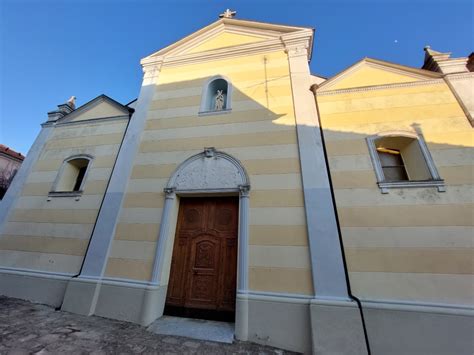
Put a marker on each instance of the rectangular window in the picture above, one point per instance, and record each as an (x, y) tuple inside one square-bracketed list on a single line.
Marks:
[(402, 160), (80, 177), (392, 164)]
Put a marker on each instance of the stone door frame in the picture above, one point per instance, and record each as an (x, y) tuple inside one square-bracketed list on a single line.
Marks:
[(210, 173)]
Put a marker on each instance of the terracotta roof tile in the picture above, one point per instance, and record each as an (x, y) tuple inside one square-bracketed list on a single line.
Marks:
[(8, 151)]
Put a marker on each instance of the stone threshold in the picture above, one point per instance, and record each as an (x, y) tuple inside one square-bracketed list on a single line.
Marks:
[(201, 329)]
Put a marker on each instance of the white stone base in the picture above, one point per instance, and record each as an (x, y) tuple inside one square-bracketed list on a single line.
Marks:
[(281, 322), (337, 327), (39, 287), (127, 301), (418, 329)]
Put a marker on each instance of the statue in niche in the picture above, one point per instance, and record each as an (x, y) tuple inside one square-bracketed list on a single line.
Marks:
[(219, 104)]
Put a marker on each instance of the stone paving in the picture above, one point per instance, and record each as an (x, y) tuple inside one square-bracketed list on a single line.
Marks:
[(28, 328)]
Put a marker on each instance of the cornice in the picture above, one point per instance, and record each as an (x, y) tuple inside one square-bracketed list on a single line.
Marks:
[(285, 42), (459, 76), (382, 65), (221, 53), (89, 121), (378, 87)]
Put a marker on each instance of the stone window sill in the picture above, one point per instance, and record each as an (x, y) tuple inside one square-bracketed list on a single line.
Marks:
[(211, 113), (385, 186), (76, 194)]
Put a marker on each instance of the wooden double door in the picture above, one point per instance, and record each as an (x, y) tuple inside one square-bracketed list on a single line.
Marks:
[(203, 271)]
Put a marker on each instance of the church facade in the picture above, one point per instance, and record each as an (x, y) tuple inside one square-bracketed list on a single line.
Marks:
[(321, 215)]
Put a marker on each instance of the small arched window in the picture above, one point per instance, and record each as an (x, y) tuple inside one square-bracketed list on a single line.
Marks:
[(72, 175), (216, 97), (402, 159)]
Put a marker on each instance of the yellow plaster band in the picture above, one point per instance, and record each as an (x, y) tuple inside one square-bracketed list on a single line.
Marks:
[(278, 235), (284, 280), (54, 245), (41, 261), (129, 249), (140, 215), (239, 140), (144, 199), (354, 179), (236, 75), (54, 216), (286, 216), (272, 107), (435, 288), (407, 215), (272, 166), (431, 126), (39, 230), (457, 175), (195, 87), (411, 260), (153, 171), (102, 139), (353, 197), (137, 231), (263, 152), (255, 88), (256, 115), (279, 256), (391, 114), (129, 269), (147, 185), (87, 202), (276, 198), (397, 99), (408, 237), (87, 130), (290, 181)]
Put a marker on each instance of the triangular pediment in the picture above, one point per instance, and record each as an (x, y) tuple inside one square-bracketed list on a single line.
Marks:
[(224, 39), (373, 72), (223, 34), (98, 108)]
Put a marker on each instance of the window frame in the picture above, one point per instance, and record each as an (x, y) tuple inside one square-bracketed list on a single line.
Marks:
[(384, 186), (79, 192), (205, 95)]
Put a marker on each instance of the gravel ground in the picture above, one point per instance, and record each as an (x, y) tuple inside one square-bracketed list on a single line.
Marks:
[(28, 328)]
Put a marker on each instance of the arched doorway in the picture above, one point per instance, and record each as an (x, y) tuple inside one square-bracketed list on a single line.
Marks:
[(206, 208)]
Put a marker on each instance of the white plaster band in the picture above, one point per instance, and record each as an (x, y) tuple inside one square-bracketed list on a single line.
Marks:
[(418, 307)]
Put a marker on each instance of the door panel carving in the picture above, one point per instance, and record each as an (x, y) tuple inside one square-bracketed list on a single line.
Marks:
[(204, 262)]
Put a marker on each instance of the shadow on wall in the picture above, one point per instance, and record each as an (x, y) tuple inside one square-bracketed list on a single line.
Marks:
[(418, 232), (382, 233)]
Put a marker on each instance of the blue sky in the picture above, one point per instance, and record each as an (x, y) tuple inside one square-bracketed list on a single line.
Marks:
[(52, 49)]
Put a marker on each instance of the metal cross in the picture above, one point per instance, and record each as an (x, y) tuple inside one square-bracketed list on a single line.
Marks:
[(228, 14)]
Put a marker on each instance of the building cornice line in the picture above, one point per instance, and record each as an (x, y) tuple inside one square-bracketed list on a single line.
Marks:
[(278, 44), (92, 120), (379, 87), (458, 76)]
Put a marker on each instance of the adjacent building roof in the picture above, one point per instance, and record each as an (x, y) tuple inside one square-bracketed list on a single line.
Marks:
[(11, 153)]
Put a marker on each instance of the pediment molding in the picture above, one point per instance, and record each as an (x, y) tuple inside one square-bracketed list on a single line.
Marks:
[(273, 38), (121, 111), (414, 73)]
